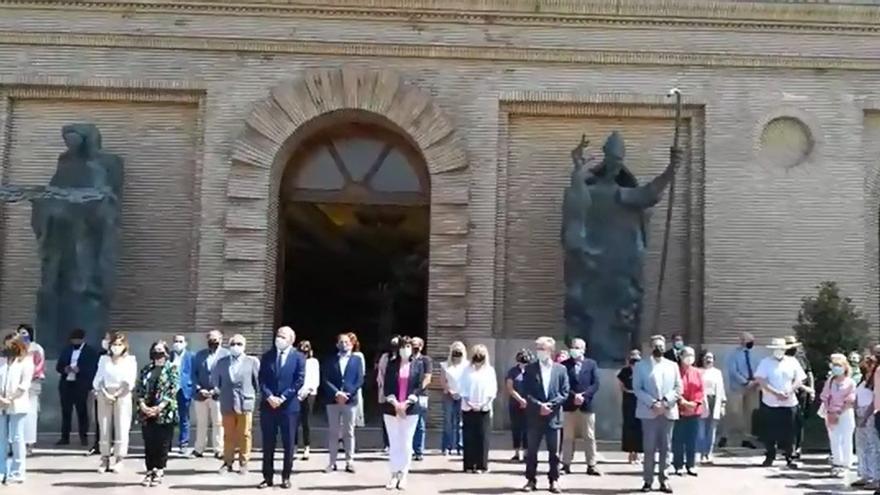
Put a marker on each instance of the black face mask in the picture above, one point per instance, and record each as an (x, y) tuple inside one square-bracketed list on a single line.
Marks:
[(749, 345), (213, 345), (155, 356), (791, 352), (479, 358), (456, 354), (416, 351), (634, 360), (657, 352)]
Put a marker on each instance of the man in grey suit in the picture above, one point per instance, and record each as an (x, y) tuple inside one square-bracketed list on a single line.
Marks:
[(657, 386), (236, 381)]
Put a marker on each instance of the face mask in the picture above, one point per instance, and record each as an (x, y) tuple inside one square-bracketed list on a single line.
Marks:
[(281, 343), (105, 344), (634, 360), (26, 338), (576, 353), (779, 354), (522, 360), (179, 347), (117, 350), (417, 350), (791, 352), (749, 345), (157, 354), (543, 356), (658, 349), (678, 345), (837, 370), (456, 354), (236, 350), (479, 359), (213, 344), (343, 347), (689, 360), (405, 352), (709, 362)]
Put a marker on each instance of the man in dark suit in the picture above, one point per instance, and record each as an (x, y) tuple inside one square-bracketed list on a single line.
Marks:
[(546, 386), (282, 373), (343, 375), (77, 366), (674, 353), (583, 379)]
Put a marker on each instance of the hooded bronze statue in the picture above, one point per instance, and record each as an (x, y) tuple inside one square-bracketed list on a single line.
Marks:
[(76, 223), (604, 237)]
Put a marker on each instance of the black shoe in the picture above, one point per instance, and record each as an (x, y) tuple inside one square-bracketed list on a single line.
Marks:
[(63, 442), (691, 472), (722, 443), (515, 458), (285, 484), (767, 462), (566, 469), (646, 488), (748, 445), (664, 488), (199, 455), (264, 484), (792, 465), (418, 457), (592, 471), (92, 451), (554, 487), (531, 486), (349, 468), (677, 472)]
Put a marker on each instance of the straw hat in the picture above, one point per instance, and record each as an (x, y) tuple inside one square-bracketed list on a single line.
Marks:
[(792, 341), (778, 343)]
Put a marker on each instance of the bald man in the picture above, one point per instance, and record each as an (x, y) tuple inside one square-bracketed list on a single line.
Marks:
[(207, 403)]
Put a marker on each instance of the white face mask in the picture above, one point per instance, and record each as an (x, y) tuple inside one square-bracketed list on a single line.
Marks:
[(117, 350), (543, 356), (779, 354), (105, 344), (281, 343), (405, 352), (236, 350), (179, 347), (576, 353), (688, 360)]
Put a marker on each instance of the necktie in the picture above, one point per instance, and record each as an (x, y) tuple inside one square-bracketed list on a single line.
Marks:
[(278, 364), (749, 366)]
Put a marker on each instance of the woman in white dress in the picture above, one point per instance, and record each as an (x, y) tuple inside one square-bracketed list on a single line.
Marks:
[(356, 350), (36, 352), (113, 384), (450, 381), (714, 405)]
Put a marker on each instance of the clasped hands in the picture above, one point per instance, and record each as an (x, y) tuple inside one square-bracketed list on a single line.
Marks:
[(275, 402), (150, 412), (579, 399), (342, 398)]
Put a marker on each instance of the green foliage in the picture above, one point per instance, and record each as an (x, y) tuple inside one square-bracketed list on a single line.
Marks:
[(829, 323)]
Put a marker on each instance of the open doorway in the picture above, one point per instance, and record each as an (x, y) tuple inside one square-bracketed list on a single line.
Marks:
[(353, 233)]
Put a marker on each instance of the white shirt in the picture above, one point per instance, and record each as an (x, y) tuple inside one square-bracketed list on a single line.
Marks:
[(343, 362), (234, 365), (864, 396), (211, 360), (453, 373), (546, 374), (111, 375), (713, 384), (478, 387), (783, 376), (15, 381), (312, 379), (74, 360)]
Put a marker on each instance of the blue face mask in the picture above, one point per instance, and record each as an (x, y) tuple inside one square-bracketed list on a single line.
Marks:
[(678, 346), (837, 370)]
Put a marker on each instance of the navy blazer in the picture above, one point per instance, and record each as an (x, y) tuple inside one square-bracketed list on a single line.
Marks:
[(185, 372), (87, 364), (349, 382), (533, 385), (284, 383), (585, 382), (201, 375), (413, 388)]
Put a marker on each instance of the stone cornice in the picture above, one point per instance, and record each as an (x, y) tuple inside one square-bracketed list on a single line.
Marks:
[(461, 52), (669, 13)]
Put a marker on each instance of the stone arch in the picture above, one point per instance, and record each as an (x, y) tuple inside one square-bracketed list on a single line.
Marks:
[(271, 133)]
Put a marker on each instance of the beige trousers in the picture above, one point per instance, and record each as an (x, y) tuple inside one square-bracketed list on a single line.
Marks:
[(114, 418), (579, 424), (208, 414), (740, 406)]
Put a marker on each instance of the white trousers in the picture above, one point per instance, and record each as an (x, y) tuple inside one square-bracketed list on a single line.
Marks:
[(30, 420), (841, 437), (208, 414), (400, 441), (114, 419)]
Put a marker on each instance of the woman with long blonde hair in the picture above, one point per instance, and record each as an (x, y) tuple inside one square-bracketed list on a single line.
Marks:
[(452, 368), (479, 387)]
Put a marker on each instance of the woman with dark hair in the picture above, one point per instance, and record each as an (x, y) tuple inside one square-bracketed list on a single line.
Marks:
[(16, 373), (157, 410), (113, 383), (714, 406), (516, 405), (360, 420), (307, 394), (381, 365), (631, 436), (38, 354), (867, 439), (402, 389)]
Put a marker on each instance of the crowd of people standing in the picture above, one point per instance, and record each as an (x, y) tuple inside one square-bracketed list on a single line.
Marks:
[(673, 403)]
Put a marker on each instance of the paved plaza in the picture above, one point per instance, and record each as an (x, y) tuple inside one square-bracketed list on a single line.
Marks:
[(58, 472)]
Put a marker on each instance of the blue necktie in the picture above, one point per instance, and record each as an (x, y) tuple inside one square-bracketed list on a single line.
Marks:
[(749, 366)]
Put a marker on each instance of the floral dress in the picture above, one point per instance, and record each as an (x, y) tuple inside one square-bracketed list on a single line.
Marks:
[(154, 390)]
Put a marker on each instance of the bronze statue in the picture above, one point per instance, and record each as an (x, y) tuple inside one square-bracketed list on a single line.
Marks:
[(604, 238), (76, 222)]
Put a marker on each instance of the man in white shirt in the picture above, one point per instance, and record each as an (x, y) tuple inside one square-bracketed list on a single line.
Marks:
[(780, 377), (343, 376), (205, 397)]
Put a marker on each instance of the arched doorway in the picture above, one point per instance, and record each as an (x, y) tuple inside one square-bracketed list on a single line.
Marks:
[(353, 229)]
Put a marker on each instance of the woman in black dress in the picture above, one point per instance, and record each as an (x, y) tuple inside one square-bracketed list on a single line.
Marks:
[(631, 437)]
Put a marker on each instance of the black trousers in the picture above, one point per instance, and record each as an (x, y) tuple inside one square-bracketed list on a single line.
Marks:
[(800, 418), (778, 430), (536, 433), (475, 439), (73, 398), (157, 444), (518, 428), (305, 412)]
